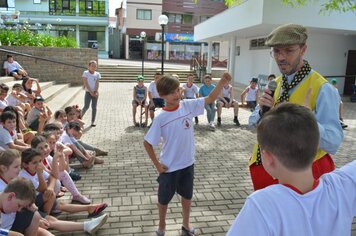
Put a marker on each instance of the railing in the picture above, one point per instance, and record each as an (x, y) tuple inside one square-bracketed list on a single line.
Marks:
[(94, 13), (197, 68), (41, 58)]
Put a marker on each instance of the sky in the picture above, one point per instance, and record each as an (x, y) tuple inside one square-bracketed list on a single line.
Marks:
[(113, 4)]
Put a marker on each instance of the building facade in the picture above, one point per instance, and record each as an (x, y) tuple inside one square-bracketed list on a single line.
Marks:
[(182, 15), (85, 20)]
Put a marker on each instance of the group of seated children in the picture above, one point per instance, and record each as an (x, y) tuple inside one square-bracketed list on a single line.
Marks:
[(189, 90), (39, 148)]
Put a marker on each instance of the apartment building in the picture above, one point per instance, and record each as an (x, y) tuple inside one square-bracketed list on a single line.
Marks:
[(142, 15), (85, 20)]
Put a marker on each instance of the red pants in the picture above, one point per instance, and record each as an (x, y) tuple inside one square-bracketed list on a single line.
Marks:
[(261, 179)]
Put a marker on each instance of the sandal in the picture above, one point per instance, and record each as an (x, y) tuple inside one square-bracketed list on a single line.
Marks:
[(186, 232), (98, 210), (159, 233)]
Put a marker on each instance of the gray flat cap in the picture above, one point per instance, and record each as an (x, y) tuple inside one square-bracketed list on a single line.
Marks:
[(287, 35)]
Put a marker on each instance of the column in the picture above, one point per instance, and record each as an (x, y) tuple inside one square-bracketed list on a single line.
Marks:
[(209, 59), (77, 35), (232, 56), (127, 46), (77, 7), (166, 51)]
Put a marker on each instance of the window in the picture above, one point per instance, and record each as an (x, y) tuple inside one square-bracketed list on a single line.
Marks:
[(65, 4), (3, 3), (89, 5), (258, 44), (187, 19), (175, 18), (143, 14)]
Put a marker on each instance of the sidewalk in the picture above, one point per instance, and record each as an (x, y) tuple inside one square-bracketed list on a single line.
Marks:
[(127, 180)]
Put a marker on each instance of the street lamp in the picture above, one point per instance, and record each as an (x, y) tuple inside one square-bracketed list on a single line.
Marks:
[(162, 20), (143, 38)]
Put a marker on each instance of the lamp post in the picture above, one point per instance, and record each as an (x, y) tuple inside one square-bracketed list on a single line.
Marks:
[(162, 20), (143, 38)]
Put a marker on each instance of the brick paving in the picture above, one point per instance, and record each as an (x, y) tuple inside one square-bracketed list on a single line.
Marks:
[(127, 180)]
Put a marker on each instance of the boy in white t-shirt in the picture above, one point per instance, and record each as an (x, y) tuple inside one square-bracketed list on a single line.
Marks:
[(176, 164), (299, 204), (91, 83), (13, 68), (190, 91), (8, 134), (4, 89), (155, 99), (251, 94)]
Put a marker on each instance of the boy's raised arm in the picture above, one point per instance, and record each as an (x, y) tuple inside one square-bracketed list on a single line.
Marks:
[(225, 78)]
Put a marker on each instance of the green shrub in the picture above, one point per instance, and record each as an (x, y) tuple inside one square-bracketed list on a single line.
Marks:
[(28, 38)]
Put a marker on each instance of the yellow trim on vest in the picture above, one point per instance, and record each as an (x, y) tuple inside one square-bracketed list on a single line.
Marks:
[(314, 81)]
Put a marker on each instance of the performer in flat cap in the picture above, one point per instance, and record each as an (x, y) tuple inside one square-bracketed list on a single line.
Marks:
[(299, 84)]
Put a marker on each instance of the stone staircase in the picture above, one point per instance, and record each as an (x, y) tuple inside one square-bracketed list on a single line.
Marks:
[(117, 73), (57, 96)]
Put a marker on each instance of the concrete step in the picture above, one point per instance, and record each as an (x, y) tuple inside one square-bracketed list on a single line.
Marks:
[(6, 79), (53, 91), (64, 98), (44, 85)]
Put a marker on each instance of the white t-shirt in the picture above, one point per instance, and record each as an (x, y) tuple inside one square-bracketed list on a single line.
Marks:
[(11, 66), (226, 92), (6, 138), (152, 88), (190, 92), (177, 131), (3, 103), (34, 178), (12, 100), (66, 139), (251, 94), (91, 79), (278, 210), (6, 219)]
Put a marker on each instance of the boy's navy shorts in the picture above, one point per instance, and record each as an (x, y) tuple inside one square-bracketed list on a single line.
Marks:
[(14, 71), (157, 102), (22, 221), (39, 202), (180, 181)]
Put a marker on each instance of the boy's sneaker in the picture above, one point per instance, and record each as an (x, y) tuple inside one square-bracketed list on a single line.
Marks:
[(188, 232), (212, 126), (196, 120), (343, 125), (159, 232), (236, 121), (81, 199), (92, 226), (219, 121)]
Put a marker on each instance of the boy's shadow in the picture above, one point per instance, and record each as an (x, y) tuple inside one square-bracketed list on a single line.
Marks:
[(132, 129)]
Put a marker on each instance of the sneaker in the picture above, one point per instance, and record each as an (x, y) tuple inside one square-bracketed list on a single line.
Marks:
[(343, 125), (188, 232), (196, 120), (159, 232), (81, 199), (93, 225), (219, 121), (212, 126), (236, 121)]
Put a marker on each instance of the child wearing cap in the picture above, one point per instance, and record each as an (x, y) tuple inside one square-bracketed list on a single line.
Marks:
[(334, 83), (251, 94), (39, 112), (139, 99), (299, 204)]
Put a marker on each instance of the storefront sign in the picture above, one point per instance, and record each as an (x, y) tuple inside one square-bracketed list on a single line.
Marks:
[(179, 37)]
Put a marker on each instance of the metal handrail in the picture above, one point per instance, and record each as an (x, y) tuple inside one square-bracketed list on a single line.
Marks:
[(197, 67), (41, 58)]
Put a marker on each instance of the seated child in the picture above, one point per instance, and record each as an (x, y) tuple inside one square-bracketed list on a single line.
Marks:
[(72, 115), (299, 204), (61, 117), (226, 99), (204, 91), (4, 89), (27, 220), (18, 99), (40, 109), (139, 99), (251, 94), (334, 83), (31, 94), (155, 99), (48, 221), (190, 91), (13, 68), (8, 134)]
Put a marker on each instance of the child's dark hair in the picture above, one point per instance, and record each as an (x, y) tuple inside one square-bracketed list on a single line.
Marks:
[(167, 84), (24, 81), (272, 75), (15, 111), (4, 87), (92, 62), (58, 113), (74, 125), (28, 155), (51, 127), (23, 189), (7, 115), (69, 109), (190, 75), (37, 140), (291, 133), (17, 85), (8, 56), (207, 76), (8, 156), (157, 73)]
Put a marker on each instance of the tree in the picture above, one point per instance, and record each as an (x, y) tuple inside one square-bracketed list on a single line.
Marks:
[(331, 5)]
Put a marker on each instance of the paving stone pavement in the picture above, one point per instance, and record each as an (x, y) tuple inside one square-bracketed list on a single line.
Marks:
[(127, 179)]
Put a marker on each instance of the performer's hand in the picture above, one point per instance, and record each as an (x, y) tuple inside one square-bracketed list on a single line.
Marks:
[(266, 99)]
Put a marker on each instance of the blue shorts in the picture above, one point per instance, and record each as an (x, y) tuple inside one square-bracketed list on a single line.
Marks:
[(180, 181), (22, 221), (14, 71), (157, 102), (40, 203)]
